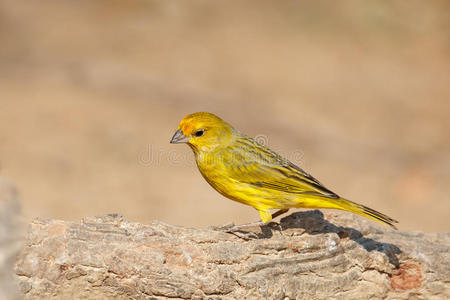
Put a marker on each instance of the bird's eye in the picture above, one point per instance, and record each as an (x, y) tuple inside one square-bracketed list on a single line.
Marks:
[(199, 132)]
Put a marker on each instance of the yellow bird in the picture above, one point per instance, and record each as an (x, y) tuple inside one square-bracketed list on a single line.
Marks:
[(243, 170)]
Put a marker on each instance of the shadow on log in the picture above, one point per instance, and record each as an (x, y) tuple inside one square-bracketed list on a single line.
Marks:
[(306, 256)]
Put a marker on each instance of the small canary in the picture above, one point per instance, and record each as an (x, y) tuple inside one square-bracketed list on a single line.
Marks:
[(243, 170)]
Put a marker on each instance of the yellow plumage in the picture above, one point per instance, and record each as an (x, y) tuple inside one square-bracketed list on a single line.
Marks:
[(245, 171)]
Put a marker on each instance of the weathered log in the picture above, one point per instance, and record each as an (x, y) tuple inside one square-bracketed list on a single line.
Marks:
[(308, 256)]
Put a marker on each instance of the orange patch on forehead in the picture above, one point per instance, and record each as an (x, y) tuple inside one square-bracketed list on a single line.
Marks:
[(186, 127)]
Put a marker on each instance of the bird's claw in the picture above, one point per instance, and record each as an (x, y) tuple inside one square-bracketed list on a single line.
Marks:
[(245, 235), (237, 231), (225, 228)]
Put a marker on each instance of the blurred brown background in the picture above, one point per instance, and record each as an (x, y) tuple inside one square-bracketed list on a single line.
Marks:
[(355, 92)]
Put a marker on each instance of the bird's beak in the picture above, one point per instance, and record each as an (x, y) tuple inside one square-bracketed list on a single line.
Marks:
[(179, 138)]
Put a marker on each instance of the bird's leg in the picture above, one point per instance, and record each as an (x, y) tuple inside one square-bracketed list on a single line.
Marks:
[(258, 223), (242, 226), (279, 212)]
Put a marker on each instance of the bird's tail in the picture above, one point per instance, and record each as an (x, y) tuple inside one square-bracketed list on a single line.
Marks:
[(362, 210)]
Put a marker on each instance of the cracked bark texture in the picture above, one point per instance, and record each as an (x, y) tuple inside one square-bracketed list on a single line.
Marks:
[(308, 256)]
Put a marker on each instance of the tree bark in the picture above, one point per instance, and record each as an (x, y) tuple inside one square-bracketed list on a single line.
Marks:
[(308, 256)]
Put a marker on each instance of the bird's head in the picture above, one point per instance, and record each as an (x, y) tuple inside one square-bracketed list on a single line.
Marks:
[(203, 132)]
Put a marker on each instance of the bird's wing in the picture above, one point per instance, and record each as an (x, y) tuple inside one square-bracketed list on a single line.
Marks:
[(261, 167)]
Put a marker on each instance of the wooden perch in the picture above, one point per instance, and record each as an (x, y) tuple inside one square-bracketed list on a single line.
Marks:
[(307, 256)]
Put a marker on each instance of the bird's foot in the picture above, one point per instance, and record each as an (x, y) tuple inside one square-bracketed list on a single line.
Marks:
[(237, 230), (224, 228), (233, 228), (245, 235)]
